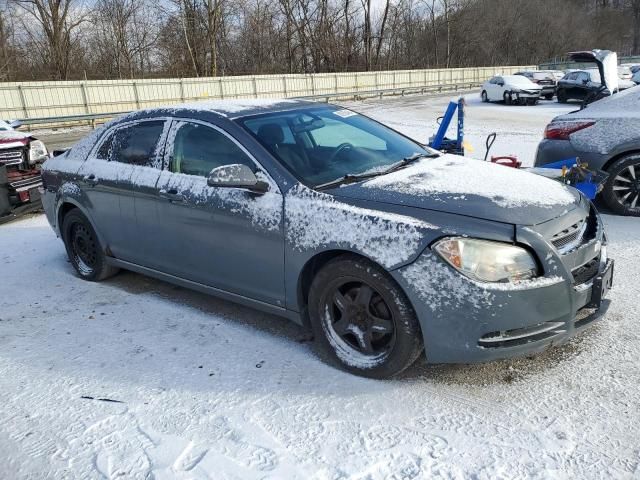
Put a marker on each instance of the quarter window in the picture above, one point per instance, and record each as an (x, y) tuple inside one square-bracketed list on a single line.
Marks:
[(198, 149), (137, 144)]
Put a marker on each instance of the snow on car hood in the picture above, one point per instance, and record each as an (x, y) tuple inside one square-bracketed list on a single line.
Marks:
[(12, 138), (469, 187)]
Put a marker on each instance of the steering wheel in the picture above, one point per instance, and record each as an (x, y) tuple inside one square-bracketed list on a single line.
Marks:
[(339, 149)]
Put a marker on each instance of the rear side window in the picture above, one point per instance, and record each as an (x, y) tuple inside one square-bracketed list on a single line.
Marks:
[(105, 149), (198, 149), (136, 144)]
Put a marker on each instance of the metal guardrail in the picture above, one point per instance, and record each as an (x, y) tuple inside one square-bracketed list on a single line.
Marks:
[(93, 118)]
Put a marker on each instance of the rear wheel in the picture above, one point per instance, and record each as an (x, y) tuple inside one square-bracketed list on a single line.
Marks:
[(83, 248), (562, 96), (362, 320), (621, 191), (484, 97)]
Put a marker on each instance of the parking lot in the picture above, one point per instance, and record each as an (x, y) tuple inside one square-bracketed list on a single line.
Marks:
[(137, 378)]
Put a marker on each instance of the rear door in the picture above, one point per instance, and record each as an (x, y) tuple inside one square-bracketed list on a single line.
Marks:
[(226, 238), (122, 178)]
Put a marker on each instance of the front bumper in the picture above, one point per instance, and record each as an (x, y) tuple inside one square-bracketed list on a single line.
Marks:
[(465, 322)]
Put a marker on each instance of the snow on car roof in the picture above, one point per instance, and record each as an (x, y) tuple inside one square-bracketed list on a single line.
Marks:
[(243, 106), (522, 80)]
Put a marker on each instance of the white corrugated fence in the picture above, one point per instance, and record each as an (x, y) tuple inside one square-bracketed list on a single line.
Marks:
[(29, 100)]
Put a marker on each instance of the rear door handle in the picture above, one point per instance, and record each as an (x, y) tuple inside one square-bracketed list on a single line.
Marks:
[(172, 195), (90, 180)]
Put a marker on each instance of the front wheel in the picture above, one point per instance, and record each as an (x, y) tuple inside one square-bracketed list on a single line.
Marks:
[(562, 96), (549, 96), (621, 191), (362, 320), (83, 248), (507, 98)]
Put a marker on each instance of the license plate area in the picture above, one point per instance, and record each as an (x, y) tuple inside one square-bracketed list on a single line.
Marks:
[(602, 283)]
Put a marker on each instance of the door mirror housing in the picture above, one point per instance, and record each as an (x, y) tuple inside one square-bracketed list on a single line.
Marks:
[(501, 84), (15, 123), (236, 175)]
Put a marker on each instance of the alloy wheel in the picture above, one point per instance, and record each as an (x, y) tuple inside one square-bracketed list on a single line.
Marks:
[(626, 186), (360, 318)]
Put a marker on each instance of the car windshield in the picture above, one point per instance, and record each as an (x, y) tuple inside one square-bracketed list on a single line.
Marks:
[(323, 144), (4, 126)]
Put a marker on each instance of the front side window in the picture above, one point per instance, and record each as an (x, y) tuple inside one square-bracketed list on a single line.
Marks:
[(198, 149), (136, 144), (329, 143)]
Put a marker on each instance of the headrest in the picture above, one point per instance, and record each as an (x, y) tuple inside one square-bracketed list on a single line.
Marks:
[(271, 133)]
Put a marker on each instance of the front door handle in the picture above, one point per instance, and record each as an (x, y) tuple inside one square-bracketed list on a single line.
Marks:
[(172, 195), (90, 180)]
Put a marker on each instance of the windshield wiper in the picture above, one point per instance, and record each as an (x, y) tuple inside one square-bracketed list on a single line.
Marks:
[(352, 177)]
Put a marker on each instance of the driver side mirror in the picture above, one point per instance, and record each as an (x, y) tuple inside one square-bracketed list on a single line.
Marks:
[(15, 123), (501, 84), (236, 176)]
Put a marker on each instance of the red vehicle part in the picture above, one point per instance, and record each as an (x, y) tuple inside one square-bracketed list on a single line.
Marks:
[(507, 161)]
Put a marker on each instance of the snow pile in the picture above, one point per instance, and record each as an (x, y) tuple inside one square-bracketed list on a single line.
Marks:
[(453, 175), (315, 219)]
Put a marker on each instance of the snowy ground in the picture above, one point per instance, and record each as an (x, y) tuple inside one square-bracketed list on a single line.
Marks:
[(135, 378)]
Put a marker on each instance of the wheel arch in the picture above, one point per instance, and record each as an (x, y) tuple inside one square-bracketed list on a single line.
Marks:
[(65, 206), (313, 266), (608, 164)]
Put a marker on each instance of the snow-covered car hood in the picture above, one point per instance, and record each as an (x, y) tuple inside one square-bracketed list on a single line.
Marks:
[(469, 187), (12, 139)]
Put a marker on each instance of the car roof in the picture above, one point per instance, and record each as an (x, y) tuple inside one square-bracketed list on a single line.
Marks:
[(234, 108)]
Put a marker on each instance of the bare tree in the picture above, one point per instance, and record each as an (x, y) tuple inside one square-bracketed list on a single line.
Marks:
[(59, 20)]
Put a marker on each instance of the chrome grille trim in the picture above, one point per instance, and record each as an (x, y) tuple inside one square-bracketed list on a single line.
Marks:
[(571, 237), (11, 157)]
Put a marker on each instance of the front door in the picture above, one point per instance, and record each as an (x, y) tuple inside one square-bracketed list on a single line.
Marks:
[(227, 238)]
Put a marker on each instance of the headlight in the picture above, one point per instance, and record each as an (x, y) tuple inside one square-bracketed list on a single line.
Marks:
[(515, 90), (487, 261), (37, 152)]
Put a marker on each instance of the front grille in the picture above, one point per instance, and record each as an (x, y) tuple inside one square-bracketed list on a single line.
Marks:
[(575, 235), (570, 235), (586, 272), (11, 156), (521, 336)]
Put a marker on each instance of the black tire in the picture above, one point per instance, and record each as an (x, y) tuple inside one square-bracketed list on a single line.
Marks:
[(562, 96), (621, 192), (549, 96), (362, 321), (83, 248), (506, 96), (485, 98)]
